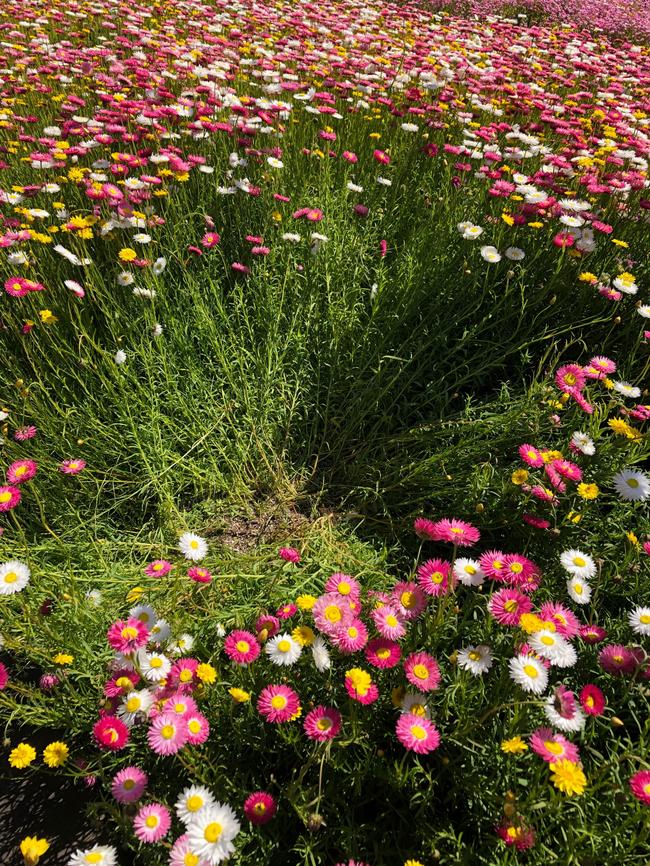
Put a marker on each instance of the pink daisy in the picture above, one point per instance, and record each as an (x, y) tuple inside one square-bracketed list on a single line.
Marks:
[(289, 554), (422, 671), (111, 733), (599, 367), (383, 653), (389, 622), (537, 522), (507, 606), (269, 624), (322, 723), (592, 700), (570, 378), (152, 823), (182, 673), (493, 564), (425, 529), (158, 568), (592, 633), (331, 612), (129, 785), (21, 471), (178, 704), (4, 676), (259, 808), (640, 786), (278, 703), (617, 659), (352, 637), (128, 636), (417, 734), (199, 574), (16, 287), (167, 734), (198, 728), (9, 497), (360, 687), (531, 455), (457, 532), (514, 832), (553, 747), (568, 469), (410, 598), (242, 647), (517, 568), (566, 622), (22, 434), (72, 467), (433, 576), (122, 682), (286, 611), (344, 585), (182, 853)]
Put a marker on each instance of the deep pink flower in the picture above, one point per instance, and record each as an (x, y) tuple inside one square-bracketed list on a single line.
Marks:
[(344, 585), (22, 434), (268, 624), (507, 606), (286, 611), (425, 529), (383, 653), (417, 734), (72, 467), (592, 633), (566, 622), (210, 240), (351, 638), (457, 532), (198, 728), (617, 659), (129, 785), (592, 700), (389, 622), (640, 786), (515, 832), (242, 647), (152, 823), (422, 671), (259, 808), (322, 723), (21, 471), (9, 497), (199, 574), (278, 703), (128, 636), (410, 599), (158, 568), (381, 157), (289, 554), (111, 733), (167, 734), (4, 676), (553, 747), (433, 576), (531, 455)]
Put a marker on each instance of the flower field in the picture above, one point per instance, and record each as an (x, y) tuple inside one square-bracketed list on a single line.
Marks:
[(324, 527)]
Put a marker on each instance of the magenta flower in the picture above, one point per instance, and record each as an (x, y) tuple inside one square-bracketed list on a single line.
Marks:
[(553, 747), (199, 574), (21, 471), (322, 723), (417, 734), (242, 647), (457, 532), (152, 823), (433, 576), (72, 467), (259, 808), (9, 497), (422, 671), (640, 786), (111, 733), (278, 703), (129, 785), (22, 434), (289, 554), (128, 637), (383, 653), (158, 568), (167, 734), (198, 728)]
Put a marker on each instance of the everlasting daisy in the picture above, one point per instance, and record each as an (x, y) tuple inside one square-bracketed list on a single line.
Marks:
[(476, 659), (22, 756), (14, 577), (389, 622), (639, 619), (283, 650), (167, 734), (320, 654), (158, 568), (626, 389), (566, 622), (351, 638), (592, 633), (72, 467), (178, 704), (507, 606), (242, 647), (322, 723), (267, 626), (422, 671), (181, 853), (192, 546), (468, 572), (260, 808), (579, 590), (360, 687), (640, 786), (9, 497), (278, 703), (514, 832), (617, 660), (493, 564), (457, 532), (129, 785), (592, 700), (417, 734), (425, 529), (289, 554), (553, 747), (529, 673), (415, 703), (332, 612), (21, 471), (570, 378), (433, 576), (135, 705), (153, 666), (568, 777), (630, 484), (199, 575), (212, 832), (111, 733), (553, 647), (583, 443), (578, 564), (383, 653), (198, 728), (152, 823), (127, 637), (98, 855), (190, 802), (4, 676), (563, 712), (343, 584)]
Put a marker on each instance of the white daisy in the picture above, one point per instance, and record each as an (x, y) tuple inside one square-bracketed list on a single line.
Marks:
[(99, 855), (469, 572), (274, 162), (145, 613), (410, 127), (125, 278), (529, 673), (192, 546), (283, 650), (626, 389), (120, 357), (471, 232), (625, 285), (183, 644), (191, 801), (94, 597), (515, 254), (291, 236), (220, 630), (632, 485), (354, 187), (160, 631), (159, 266), (639, 619), (384, 181), (139, 292), (153, 666), (321, 654), (157, 330), (212, 831), (583, 443), (644, 310), (136, 702), (579, 590), (415, 703), (476, 659), (578, 563), (574, 723), (14, 576), (553, 647), (574, 204), (490, 254)]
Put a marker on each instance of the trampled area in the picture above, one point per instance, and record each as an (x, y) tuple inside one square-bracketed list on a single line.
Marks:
[(324, 532)]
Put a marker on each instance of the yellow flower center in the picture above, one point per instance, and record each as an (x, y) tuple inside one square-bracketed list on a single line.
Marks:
[(185, 675), (151, 821), (418, 732), (469, 569), (128, 784), (577, 588), (194, 727), (156, 662), (194, 803), (5, 496), (284, 646), (157, 566), (645, 618), (129, 632), (408, 599), (516, 568), (242, 646), (570, 379), (20, 471), (547, 640), (191, 859), (93, 857), (531, 671), (344, 587), (133, 705), (421, 672), (553, 747), (11, 577), (579, 561), (278, 702), (194, 545), (332, 613), (511, 605), (456, 530), (383, 653), (167, 732), (418, 709), (324, 724), (474, 656), (391, 620), (212, 832), (631, 482), (353, 632)]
